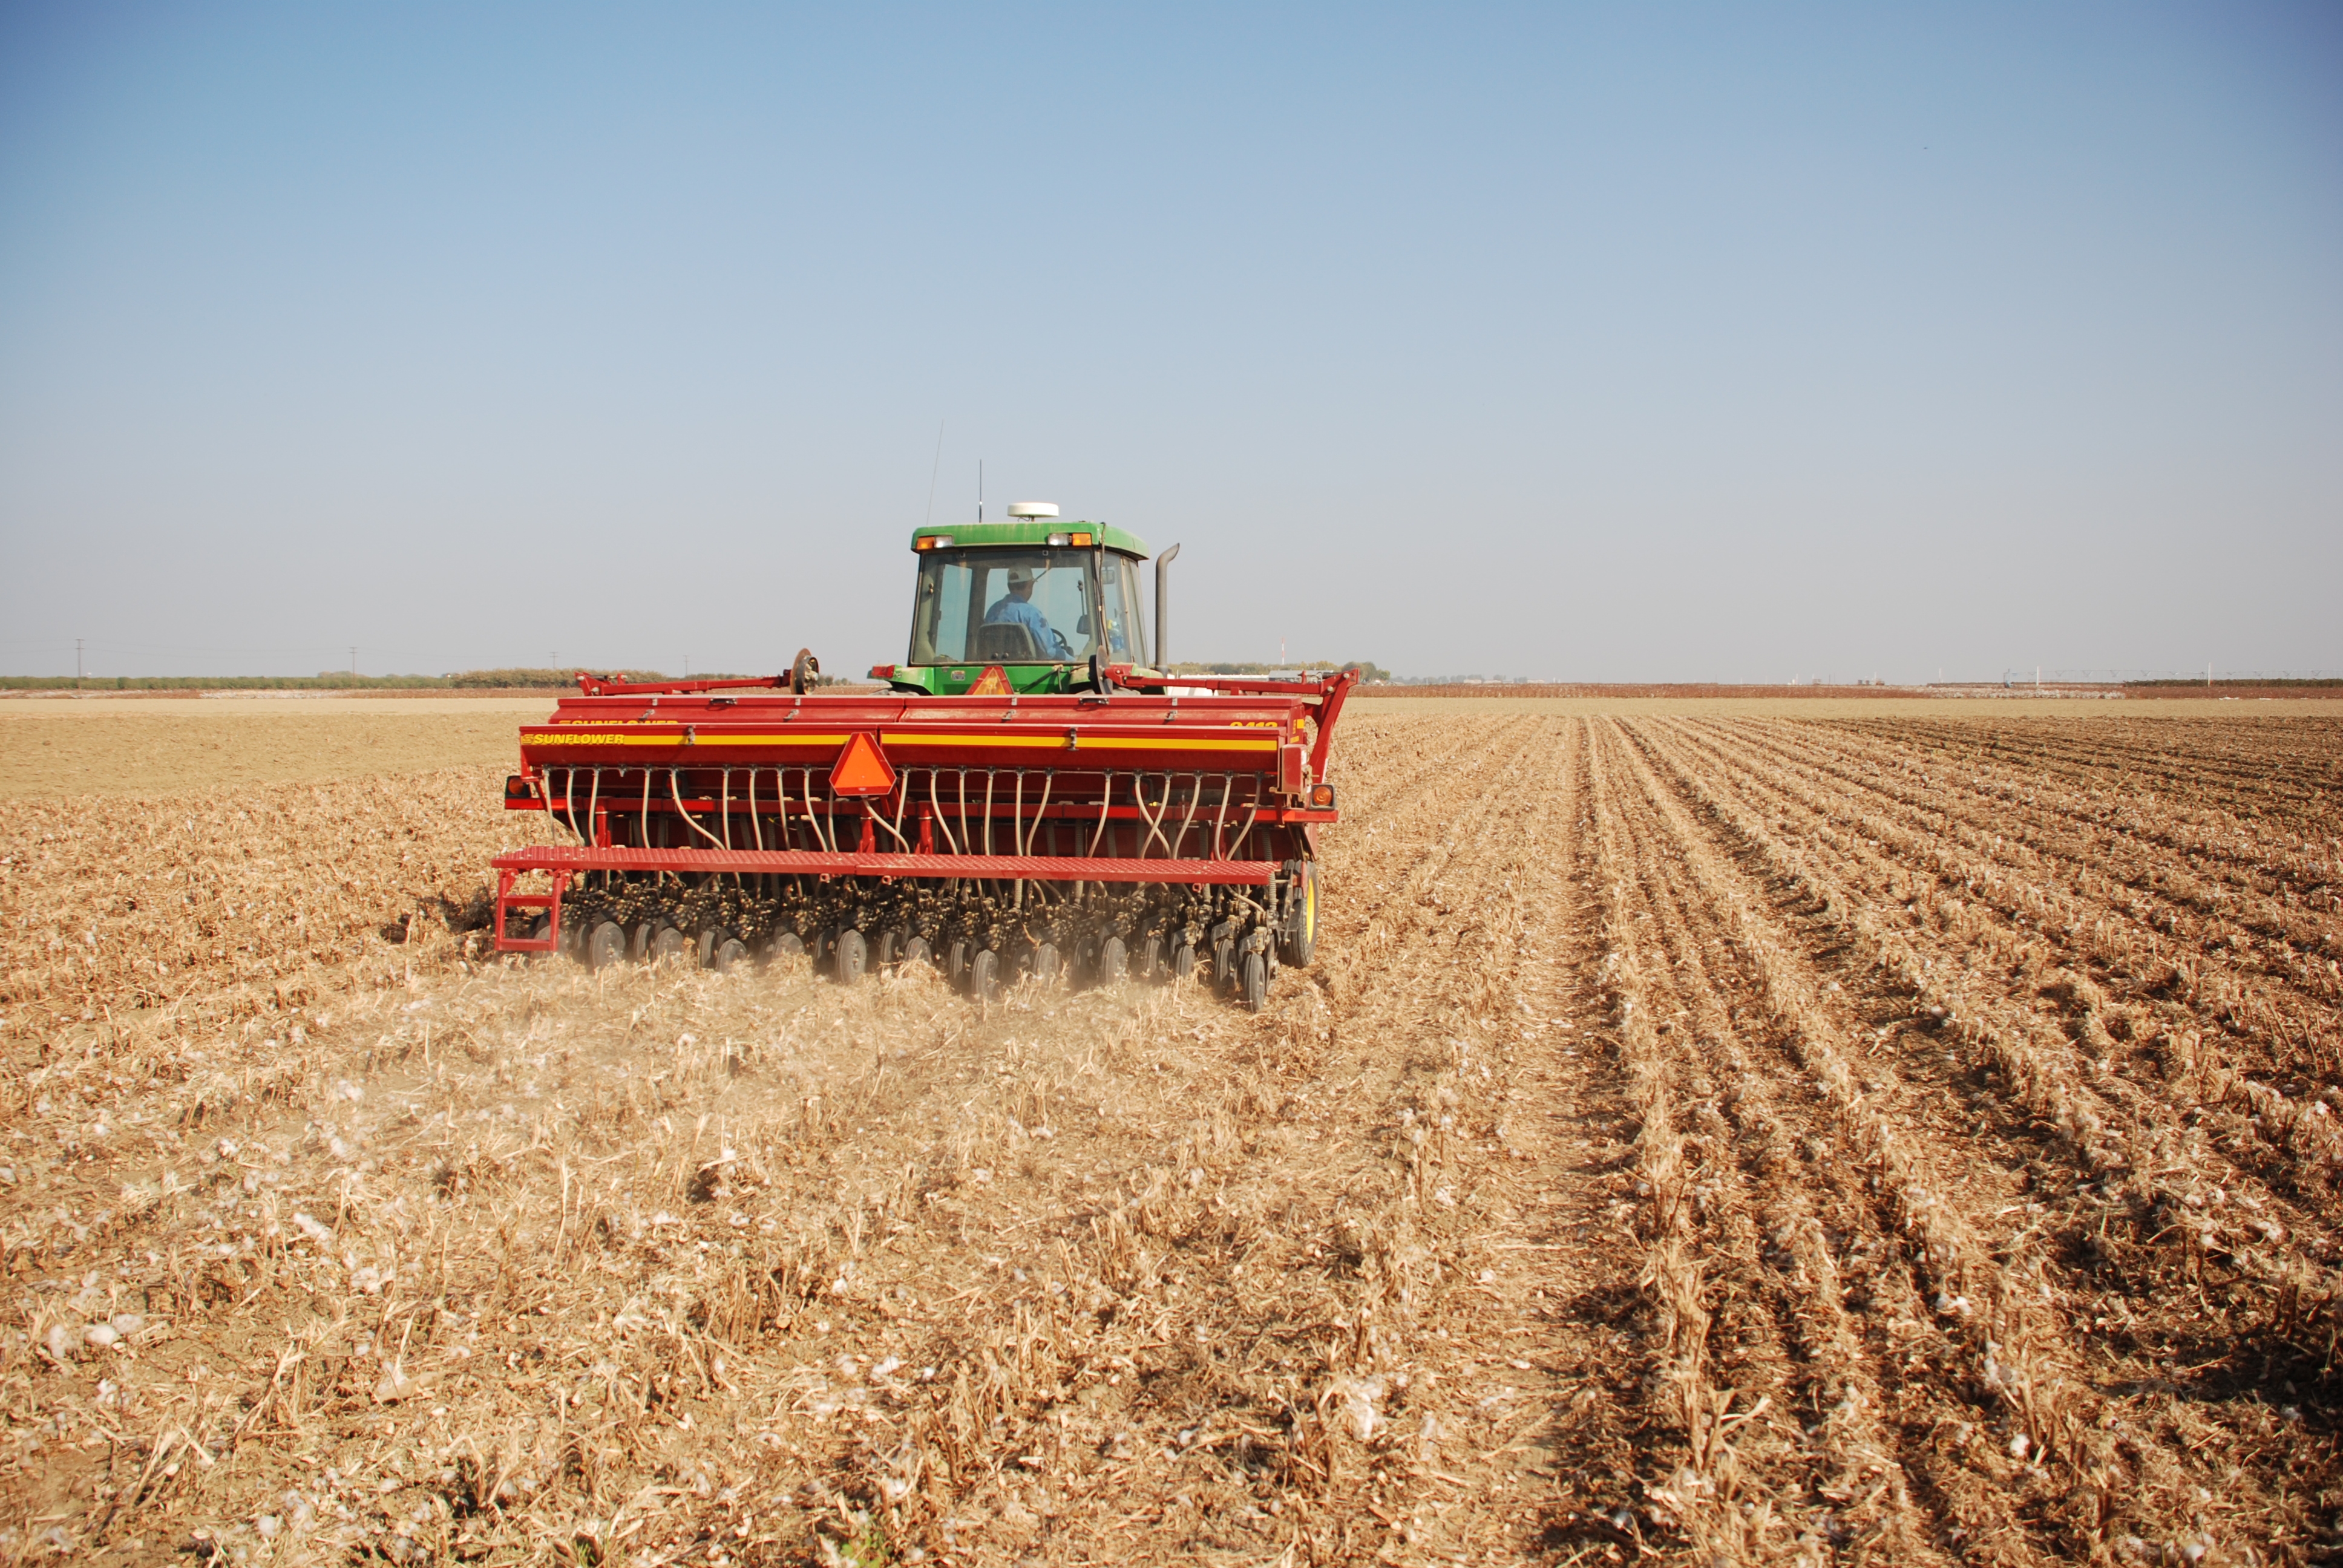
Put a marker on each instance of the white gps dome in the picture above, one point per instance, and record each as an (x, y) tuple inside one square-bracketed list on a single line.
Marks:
[(1032, 508)]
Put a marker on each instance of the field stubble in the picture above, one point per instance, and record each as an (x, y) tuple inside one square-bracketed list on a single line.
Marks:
[(1703, 1137)]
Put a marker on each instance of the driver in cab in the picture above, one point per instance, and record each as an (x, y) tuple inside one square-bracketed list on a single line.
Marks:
[(1016, 608)]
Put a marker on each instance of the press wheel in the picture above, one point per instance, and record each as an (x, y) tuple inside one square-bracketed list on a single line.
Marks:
[(985, 976), (1299, 937), (1252, 981), (1113, 963), (605, 946), (851, 956)]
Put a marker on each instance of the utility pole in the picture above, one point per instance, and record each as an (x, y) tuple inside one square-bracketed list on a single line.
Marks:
[(354, 663), (77, 642)]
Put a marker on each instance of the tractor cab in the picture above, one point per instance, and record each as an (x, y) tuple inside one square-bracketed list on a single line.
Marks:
[(1031, 605)]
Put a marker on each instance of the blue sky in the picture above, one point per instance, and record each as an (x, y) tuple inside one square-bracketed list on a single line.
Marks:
[(1620, 343)]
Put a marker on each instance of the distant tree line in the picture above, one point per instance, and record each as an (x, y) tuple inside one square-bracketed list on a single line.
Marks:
[(1368, 670), (335, 681), (2245, 680), (519, 679)]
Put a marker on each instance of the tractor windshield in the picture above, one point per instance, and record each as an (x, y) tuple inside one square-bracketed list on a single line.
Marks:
[(996, 606)]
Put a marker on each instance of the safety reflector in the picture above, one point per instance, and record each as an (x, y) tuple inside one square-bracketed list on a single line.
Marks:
[(861, 769), (993, 682)]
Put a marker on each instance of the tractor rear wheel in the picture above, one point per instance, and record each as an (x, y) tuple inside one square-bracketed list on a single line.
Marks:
[(1254, 981), (847, 963), (669, 944), (1113, 963), (1299, 937), (985, 976), (729, 952), (606, 946)]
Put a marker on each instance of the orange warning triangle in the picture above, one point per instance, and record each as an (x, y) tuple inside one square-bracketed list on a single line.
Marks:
[(993, 682), (861, 769)]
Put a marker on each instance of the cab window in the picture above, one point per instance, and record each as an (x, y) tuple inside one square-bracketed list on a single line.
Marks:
[(1004, 606)]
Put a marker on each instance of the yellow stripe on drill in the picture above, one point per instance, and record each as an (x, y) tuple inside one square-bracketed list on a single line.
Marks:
[(1187, 742)]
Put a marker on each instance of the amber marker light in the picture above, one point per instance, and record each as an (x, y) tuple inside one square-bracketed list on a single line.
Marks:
[(1321, 794)]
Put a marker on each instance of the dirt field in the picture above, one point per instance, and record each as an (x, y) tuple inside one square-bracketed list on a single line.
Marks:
[(144, 745), (1704, 1137)]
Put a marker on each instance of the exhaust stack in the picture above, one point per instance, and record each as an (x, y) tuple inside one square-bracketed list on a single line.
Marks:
[(1163, 603)]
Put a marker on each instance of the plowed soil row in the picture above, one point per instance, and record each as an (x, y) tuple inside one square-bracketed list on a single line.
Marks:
[(1702, 1139)]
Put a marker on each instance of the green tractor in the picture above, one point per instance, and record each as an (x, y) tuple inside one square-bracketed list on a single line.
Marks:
[(1029, 605)]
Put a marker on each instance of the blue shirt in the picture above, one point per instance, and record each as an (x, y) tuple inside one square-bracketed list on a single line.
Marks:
[(1011, 610)]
